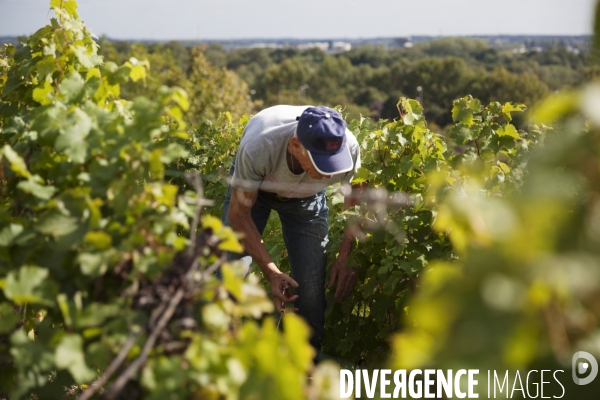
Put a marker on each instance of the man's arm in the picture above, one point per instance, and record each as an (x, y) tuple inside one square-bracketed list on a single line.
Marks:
[(345, 276), (240, 215)]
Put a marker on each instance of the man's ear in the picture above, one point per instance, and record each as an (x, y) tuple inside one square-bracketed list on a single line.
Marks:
[(295, 145)]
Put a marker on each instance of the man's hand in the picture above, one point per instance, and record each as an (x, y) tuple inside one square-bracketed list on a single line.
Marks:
[(240, 215), (279, 283), (345, 276)]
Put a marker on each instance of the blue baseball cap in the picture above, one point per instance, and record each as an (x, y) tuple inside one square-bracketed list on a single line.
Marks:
[(322, 131)]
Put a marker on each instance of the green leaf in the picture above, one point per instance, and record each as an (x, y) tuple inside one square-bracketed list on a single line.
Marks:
[(120, 75), (8, 317), (555, 107), (362, 175), (74, 131), (510, 107), (156, 165), (63, 305), (172, 153), (475, 105), (232, 282), (9, 233), (137, 72), (405, 103), (180, 97), (42, 94), (229, 241), (505, 168), (69, 355), (9, 49), (95, 314), (464, 116), (100, 240), (84, 58), (93, 264), (416, 107), (390, 283), (72, 87), (296, 334), (40, 191), (215, 317), (410, 118), (56, 224), (461, 134), (17, 164), (24, 287), (45, 68), (508, 130), (71, 7)]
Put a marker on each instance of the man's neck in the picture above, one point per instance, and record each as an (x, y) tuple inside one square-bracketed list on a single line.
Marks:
[(293, 164)]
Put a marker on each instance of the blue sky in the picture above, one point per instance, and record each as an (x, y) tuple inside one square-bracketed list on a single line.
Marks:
[(229, 19)]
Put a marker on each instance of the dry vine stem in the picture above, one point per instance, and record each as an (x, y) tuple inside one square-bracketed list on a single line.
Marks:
[(160, 316)]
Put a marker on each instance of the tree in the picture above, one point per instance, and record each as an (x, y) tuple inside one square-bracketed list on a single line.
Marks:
[(285, 79), (214, 90)]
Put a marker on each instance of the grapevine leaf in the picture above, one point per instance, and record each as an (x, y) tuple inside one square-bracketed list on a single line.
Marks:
[(465, 116), (17, 164), (509, 130), (475, 105), (391, 282), (9, 233), (416, 107), (461, 134), (215, 317), (410, 118), (173, 152), (12, 84), (229, 241), (40, 191), (510, 107), (56, 224), (8, 317), (42, 94), (84, 58), (69, 355), (156, 165), (45, 69), (63, 305), (93, 264), (231, 282), (120, 75), (555, 106), (72, 87), (95, 314), (74, 132), (137, 72), (9, 49), (93, 73), (180, 97), (296, 335), (505, 168), (24, 287), (362, 175), (71, 7), (98, 239)]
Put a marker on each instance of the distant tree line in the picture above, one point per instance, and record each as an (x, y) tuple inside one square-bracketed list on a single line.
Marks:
[(368, 80)]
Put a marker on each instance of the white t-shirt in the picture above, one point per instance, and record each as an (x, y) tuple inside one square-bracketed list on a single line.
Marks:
[(261, 162)]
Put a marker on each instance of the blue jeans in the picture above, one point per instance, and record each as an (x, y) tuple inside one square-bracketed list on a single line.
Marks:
[(305, 226)]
